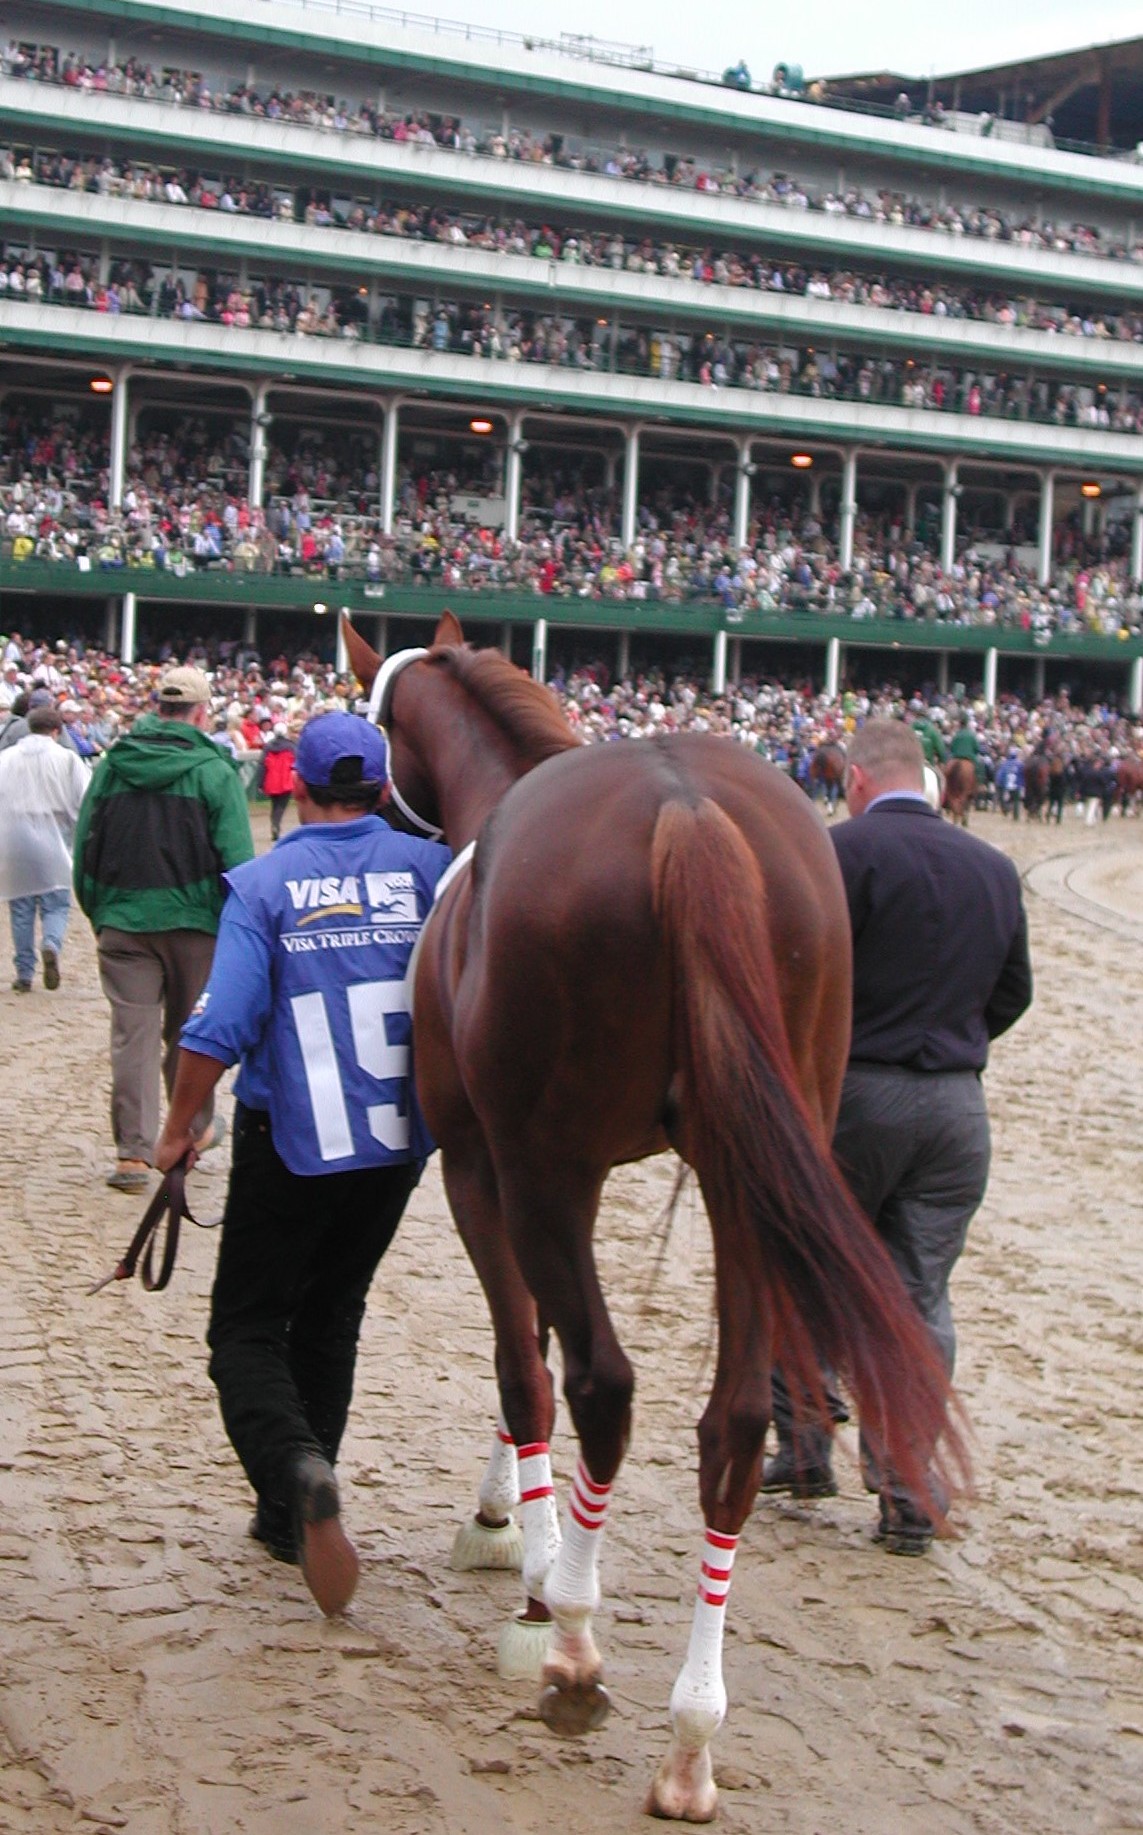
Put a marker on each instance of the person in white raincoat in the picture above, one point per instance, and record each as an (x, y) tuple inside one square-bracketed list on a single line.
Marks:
[(42, 785)]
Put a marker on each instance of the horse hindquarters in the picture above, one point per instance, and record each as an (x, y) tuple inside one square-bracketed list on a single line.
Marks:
[(796, 1262)]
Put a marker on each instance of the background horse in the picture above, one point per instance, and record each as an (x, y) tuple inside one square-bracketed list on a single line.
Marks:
[(1037, 785), (650, 948), (960, 789), (827, 774), (1129, 783)]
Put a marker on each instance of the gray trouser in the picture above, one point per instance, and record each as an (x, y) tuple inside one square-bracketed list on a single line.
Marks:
[(914, 1147), (152, 979)]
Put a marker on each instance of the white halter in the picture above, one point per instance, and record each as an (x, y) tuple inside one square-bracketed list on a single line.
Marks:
[(380, 701)]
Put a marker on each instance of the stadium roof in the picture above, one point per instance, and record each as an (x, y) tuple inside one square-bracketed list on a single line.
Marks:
[(1093, 95)]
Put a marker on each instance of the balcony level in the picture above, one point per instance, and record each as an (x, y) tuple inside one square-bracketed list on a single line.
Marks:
[(49, 218), (363, 166), (378, 39), (736, 413)]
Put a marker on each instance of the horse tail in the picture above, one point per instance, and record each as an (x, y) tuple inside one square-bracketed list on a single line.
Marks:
[(781, 1214)]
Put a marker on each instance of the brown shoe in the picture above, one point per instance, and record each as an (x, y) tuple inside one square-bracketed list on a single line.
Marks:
[(51, 967), (326, 1555)]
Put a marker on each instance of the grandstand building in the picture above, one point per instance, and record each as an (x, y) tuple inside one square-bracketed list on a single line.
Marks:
[(316, 305)]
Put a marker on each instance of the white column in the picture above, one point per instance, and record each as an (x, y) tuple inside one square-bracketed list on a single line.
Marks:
[(833, 668), (388, 468), (1047, 512), (512, 473), (848, 509), (736, 660), (623, 668), (1038, 678), (990, 677), (1135, 687), (506, 641), (110, 624), (742, 495), (1137, 541), (910, 507), (815, 495), (250, 626), (630, 487), (948, 517), (127, 629), (341, 652), (943, 672), (718, 672), (259, 421), (1009, 511), (381, 636), (118, 468), (540, 650)]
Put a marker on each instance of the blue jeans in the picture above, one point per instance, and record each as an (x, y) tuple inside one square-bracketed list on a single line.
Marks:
[(55, 908)]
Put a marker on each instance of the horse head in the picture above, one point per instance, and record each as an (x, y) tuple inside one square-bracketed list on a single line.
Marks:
[(415, 803)]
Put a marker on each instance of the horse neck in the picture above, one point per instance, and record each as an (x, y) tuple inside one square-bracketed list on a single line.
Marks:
[(468, 758)]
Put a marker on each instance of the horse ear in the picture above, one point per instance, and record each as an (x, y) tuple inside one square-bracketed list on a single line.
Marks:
[(448, 634), (363, 658)]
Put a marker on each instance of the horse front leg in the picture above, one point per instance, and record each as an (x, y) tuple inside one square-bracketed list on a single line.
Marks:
[(552, 1238), (732, 1434), (520, 1463)]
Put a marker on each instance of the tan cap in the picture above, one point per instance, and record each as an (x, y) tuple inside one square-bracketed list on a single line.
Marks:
[(184, 687)]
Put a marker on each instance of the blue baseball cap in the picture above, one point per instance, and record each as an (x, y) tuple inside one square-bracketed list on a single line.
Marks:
[(342, 751)]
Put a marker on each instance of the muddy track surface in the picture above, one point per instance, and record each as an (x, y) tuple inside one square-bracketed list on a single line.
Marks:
[(160, 1675)]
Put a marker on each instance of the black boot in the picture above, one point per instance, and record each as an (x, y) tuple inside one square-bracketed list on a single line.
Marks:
[(802, 1466)]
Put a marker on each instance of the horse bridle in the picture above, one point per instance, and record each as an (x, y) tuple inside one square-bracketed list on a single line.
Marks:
[(380, 702)]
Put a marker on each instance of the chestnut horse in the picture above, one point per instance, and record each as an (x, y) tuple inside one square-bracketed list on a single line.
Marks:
[(648, 947), (960, 789), (1037, 785), (827, 774)]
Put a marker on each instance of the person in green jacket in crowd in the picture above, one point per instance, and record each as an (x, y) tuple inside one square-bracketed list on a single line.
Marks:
[(965, 744), (164, 818), (932, 743)]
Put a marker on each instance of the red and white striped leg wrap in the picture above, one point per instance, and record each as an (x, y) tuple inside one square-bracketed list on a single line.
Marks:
[(499, 1488), (698, 1700), (574, 1581), (537, 1514)]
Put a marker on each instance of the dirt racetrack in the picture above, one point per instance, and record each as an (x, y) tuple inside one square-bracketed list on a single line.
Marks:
[(160, 1675)]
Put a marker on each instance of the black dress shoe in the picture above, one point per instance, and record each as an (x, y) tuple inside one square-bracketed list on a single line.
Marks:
[(902, 1529), (327, 1557), (270, 1525), (801, 1477)]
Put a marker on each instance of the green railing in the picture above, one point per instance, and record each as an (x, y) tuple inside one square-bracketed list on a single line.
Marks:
[(286, 592)]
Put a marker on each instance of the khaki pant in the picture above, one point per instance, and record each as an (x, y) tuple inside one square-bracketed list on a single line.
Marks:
[(152, 980)]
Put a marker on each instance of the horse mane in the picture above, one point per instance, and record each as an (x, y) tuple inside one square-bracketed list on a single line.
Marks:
[(523, 709)]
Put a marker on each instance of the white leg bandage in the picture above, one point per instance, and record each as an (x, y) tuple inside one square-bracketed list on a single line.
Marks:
[(573, 1583), (698, 1699), (499, 1488), (538, 1515)]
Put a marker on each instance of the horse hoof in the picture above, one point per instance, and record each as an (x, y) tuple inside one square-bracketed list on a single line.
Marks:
[(477, 1545), (523, 1649), (578, 1709)]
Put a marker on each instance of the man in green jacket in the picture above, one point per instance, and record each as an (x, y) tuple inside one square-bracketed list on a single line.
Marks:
[(164, 818)]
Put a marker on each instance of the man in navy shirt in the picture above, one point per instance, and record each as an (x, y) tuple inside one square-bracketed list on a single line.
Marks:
[(308, 991), (940, 968)]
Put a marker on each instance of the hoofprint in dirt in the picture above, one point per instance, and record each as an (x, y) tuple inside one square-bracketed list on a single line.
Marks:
[(159, 1674)]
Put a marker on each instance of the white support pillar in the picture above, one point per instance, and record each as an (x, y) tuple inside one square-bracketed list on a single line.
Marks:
[(250, 626), (990, 677), (736, 660), (848, 509), (815, 495), (718, 672), (540, 650), (630, 487), (742, 495), (948, 517), (609, 471), (506, 641), (110, 624), (118, 466), (1047, 513), (381, 636), (1135, 687), (388, 468), (943, 672), (1009, 511), (259, 422), (513, 471), (127, 629), (341, 650), (833, 668), (1137, 541), (910, 508), (623, 667), (1038, 678)]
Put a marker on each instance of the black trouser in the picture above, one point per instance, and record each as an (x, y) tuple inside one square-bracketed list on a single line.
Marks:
[(294, 1267), (278, 805)]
